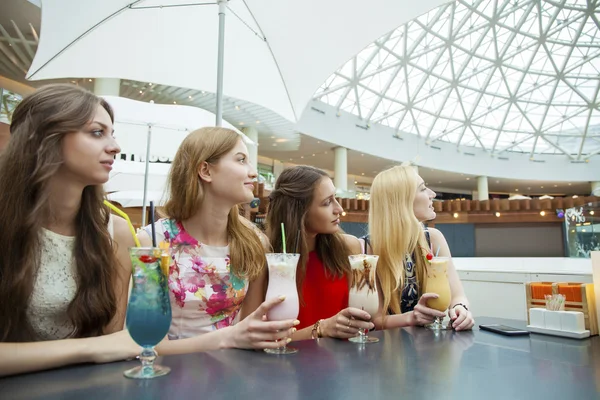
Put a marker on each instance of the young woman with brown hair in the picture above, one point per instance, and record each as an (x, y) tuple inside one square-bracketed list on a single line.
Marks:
[(304, 200), (64, 267), (218, 271)]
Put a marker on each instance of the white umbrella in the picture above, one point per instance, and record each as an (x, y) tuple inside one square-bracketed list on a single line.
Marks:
[(129, 176), (163, 127), (277, 52), (135, 198)]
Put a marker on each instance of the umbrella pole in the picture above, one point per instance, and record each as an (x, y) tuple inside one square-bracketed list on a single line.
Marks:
[(220, 59), (146, 175)]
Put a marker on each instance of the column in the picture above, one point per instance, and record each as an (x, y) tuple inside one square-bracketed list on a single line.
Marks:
[(107, 86), (596, 189), (278, 168), (482, 188), (340, 178), (252, 134)]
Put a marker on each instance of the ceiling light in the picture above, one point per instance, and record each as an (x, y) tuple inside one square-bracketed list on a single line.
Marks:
[(343, 213), (89, 80), (363, 173), (498, 214), (313, 154), (575, 196), (241, 123), (301, 156), (281, 140), (190, 97), (542, 213), (150, 84), (355, 182), (592, 212), (468, 179), (237, 107), (455, 215), (141, 92), (541, 187), (516, 190), (174, 102)]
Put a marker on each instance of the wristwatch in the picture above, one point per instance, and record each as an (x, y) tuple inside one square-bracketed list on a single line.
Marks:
[(460, 304)]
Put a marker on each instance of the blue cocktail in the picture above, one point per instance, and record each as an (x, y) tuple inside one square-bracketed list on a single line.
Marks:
[(149, 309)]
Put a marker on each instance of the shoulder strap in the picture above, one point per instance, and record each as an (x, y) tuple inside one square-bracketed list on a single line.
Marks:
[(427, 237)]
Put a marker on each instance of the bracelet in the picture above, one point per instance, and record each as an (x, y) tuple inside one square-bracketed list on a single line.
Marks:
[(460, 304), (316, 330)]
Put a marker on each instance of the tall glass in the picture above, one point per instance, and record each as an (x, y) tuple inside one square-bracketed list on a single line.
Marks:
[(282, 282), (437, 282), (149, 310), (363, 290)]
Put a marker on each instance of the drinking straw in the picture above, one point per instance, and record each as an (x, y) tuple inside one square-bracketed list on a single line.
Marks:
[(152, 224), (297, 241), (283, 237), (438, 251), (126, 217)]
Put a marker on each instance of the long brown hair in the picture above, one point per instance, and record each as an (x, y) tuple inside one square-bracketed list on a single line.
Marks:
[(396, 232), (289, 203), (32, 157), (186, 194)]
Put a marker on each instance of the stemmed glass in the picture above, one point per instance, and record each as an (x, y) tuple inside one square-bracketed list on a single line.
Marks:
[(149, 309), (282, 282), (437, 282), (363, 290)]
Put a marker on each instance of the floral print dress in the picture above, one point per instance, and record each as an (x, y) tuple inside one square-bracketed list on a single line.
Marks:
[(205, 295)]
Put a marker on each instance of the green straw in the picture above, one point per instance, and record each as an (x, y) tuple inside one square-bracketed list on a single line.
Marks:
[(283, 237)]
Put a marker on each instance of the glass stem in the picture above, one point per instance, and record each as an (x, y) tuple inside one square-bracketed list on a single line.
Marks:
[(147, 358)]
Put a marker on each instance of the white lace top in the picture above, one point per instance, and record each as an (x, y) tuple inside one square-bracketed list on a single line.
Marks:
[(54, 287)]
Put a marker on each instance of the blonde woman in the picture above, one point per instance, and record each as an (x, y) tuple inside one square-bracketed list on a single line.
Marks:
[(217, 273), (400, 203)]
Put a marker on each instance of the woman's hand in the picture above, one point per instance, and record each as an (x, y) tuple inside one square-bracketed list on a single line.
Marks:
[(346, 323), (422, 314), (462, 319), (256, 332), (113, 347)]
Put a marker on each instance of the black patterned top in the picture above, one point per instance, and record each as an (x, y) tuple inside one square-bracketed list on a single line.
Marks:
[(409, 296)]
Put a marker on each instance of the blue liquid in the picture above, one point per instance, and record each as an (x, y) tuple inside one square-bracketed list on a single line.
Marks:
[(148, 326)]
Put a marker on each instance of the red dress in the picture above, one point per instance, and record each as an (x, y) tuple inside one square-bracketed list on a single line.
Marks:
[(322, 296)]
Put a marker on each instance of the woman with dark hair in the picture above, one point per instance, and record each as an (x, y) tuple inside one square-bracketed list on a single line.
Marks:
[(304, 200), (64, 267)]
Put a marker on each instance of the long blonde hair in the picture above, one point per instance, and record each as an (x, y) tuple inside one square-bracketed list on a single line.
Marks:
[(396, 232), (186, 194)]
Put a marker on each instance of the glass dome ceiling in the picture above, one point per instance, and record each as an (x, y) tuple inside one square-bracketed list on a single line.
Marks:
[(500, 75)]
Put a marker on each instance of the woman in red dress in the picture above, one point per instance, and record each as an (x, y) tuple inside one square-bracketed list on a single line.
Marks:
[(304, 200)]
